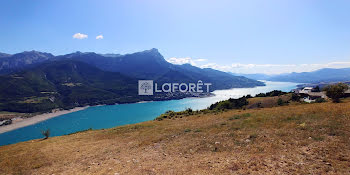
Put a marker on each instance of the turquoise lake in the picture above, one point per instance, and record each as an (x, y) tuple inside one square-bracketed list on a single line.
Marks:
[(99, 117)]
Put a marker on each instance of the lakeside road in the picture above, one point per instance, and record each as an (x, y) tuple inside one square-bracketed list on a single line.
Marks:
[(37, 119)]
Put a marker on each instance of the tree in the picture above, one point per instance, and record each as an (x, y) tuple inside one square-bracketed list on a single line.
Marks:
[(295, 97), (248, 96), (46, 133), (320, 100), (280, 101), (316, 89), (260, 95), (189, 110), (336, 91)]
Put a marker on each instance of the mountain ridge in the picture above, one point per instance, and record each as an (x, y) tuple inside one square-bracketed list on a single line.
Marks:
[(68, 83), (64, 84), (317, 76), (20, 61), (148, 64)]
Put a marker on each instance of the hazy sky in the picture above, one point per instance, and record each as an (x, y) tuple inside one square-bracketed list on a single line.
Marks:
[(270, 36)]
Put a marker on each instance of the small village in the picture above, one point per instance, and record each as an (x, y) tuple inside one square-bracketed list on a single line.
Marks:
[(311, 94)]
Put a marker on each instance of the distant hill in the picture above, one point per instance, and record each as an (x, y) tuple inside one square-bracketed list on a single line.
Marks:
[(318, 76), (14, 63), (150, 64), (219, 79), (254, 76), (36, 81), (322, 75), (68, 83), (64, 84), (2, 55)]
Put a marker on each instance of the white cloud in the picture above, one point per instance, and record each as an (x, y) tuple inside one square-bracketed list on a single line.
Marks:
[(217, 67), (186, 60), (80, 36), (99, 37), (258, 68), (200, 60)]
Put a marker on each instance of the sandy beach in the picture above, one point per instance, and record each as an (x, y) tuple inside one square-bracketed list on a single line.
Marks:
[(37, 119)]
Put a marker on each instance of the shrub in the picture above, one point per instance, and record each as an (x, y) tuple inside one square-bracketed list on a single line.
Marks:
[(229, 104), (189, 111), (320, 100), (249, 96), (170, 113), (187, 130), (336, 91), (295, 97), (259, 105), (275, 93), (46, 133), (246, 115), (316, 89), (280, 102), (271, 94), (198, 130), (260, 95)]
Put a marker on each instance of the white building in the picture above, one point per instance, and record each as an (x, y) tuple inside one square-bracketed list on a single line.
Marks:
[(306, 90), (308, 99), (309, 96)]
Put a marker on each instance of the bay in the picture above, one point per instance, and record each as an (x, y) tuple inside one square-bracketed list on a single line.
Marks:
[(100, 117)]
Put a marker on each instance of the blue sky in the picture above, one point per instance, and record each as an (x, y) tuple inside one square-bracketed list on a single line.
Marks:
[(271, 36)]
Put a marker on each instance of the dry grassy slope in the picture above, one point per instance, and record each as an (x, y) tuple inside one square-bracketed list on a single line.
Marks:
[(294, 139)]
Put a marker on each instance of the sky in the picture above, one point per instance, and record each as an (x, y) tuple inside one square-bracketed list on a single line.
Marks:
[(247, 36)]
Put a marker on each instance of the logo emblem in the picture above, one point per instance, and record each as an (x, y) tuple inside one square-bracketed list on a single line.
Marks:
[(145, 87)]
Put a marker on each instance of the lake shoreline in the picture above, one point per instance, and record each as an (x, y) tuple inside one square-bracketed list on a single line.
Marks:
[(45, 116), (125, 113), (38, 118)]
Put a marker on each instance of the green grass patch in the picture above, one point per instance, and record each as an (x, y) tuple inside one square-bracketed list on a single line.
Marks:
[(187, 130)]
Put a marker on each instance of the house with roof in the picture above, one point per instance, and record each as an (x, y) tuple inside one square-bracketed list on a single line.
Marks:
[(306, 90), (309, 96), (347, 93)]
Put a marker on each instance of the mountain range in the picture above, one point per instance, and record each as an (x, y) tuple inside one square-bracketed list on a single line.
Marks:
[(149, 64), (17, 62), (64, 84), (325, 75), (35, 81)]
